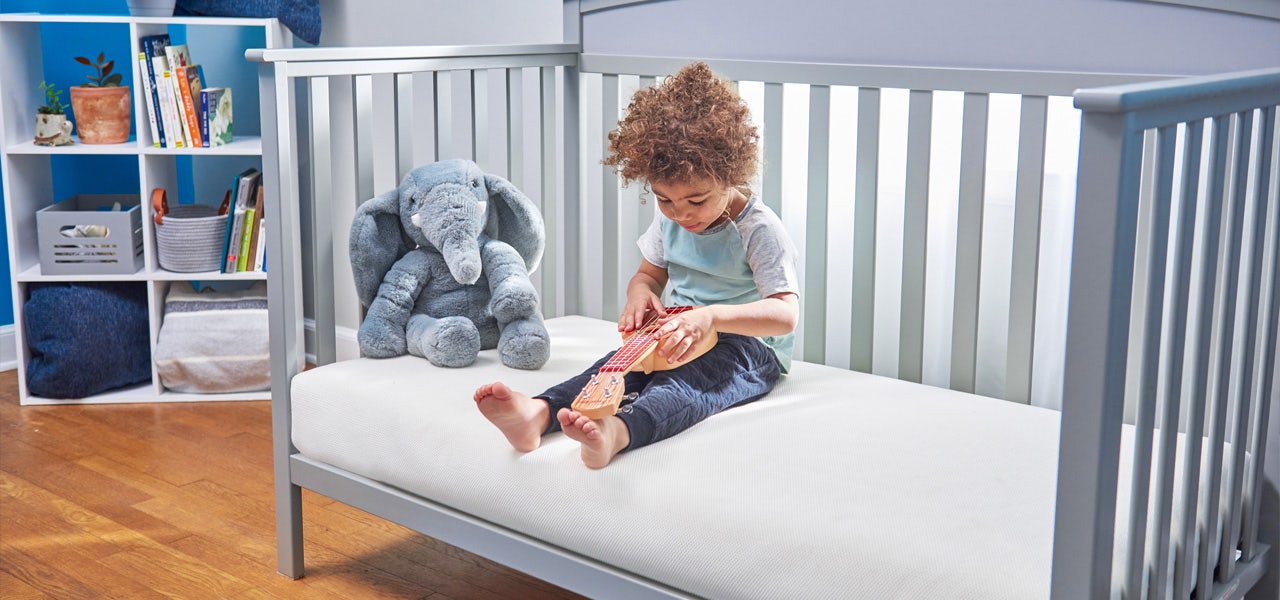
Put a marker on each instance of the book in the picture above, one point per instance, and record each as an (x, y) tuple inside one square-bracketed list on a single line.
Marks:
[(260, 252), (190, 80), (153, 47), (246, 240), (179, 56), (253, 235), (168, 108), (143, 67), (218, 114), (245, 186)]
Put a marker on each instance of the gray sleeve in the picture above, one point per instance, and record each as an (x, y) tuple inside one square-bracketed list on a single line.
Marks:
[(771, 254), (650, 242)]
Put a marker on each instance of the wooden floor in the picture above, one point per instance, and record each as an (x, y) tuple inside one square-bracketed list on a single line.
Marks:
[(175, 501)]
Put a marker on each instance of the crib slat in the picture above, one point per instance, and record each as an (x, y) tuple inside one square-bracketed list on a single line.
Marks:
[(343, 180), (1153, 309), (815, 281), (915, 236), (383, 156), (362, 92), (612, 285), (1258, 438), (516, 128), (404, 88), (1200, 325), (1242, 133), (973, 172), (867, 167), (549, 123), (1094, 374), (571, 154), (1231, 525), (425, 138), (324, 314), (771, 180), (1026, 249), (1180, 245), (1219, 152)]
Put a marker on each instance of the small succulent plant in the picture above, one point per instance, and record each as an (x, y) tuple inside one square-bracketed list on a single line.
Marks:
[(52, 100)]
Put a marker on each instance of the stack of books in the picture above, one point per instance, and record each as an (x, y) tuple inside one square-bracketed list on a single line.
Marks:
[(245, 225), (182, 112)]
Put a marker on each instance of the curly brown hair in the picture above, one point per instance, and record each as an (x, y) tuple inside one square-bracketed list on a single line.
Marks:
[(690, 126)]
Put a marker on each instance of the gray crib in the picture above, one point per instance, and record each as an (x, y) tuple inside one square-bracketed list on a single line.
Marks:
[(1169, 355)]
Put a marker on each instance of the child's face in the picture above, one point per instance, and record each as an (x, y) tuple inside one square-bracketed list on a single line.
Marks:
[(693, 205)]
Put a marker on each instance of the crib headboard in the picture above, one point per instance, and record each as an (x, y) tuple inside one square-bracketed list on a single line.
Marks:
[(855, 175)]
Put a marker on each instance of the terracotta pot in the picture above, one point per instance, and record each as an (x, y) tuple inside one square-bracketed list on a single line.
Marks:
[(102, 114)]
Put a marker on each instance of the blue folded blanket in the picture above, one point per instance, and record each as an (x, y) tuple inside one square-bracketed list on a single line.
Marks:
[(86, 338), (302, 17)]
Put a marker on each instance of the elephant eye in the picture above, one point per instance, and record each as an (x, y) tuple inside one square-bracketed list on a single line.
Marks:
[(475, 183)]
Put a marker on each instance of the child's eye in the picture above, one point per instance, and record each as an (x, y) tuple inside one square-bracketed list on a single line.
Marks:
[(697, 202), (662, 200)]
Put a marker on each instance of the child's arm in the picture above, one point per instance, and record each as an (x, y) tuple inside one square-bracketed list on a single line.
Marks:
[(644, 292), (775, 315)]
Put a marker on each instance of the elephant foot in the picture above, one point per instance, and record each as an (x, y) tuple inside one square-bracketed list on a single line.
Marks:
[(514, 299), (377, 340), (525, 344), (447, 342)]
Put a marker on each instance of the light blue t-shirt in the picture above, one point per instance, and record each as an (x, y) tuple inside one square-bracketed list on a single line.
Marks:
[(737, 262)]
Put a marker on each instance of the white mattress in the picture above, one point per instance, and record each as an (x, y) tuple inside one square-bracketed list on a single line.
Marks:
[(837, 484)]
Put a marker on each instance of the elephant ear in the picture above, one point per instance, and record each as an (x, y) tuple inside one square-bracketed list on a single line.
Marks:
[(377, 242), (514, 219)]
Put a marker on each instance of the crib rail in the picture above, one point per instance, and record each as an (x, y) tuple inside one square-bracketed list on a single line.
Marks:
[(1176, 224)]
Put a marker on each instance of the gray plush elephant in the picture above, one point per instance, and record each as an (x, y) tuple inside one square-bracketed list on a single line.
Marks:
[(442, 264)]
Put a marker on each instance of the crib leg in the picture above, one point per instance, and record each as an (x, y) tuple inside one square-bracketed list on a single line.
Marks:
[(289, 530)]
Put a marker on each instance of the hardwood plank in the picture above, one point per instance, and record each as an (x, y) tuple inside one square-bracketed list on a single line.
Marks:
[(176, 500)]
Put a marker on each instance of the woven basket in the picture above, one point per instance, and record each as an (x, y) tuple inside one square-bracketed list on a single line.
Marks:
[(190, 238)]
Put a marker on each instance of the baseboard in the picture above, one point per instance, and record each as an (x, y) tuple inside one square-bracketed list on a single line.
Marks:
[(345, 338), (8, 348)]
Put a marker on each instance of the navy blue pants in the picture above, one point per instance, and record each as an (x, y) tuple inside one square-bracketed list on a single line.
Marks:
[(737, 370)]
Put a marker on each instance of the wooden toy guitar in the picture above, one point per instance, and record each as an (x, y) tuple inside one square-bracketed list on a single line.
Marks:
[(603, 395)]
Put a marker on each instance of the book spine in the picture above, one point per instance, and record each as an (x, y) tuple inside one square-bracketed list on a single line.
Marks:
[(204, 118), (233, 247), (180, 111), (149, 49), (246, 240), (164, 86), (260, 251), (144, 66), (189, 107)]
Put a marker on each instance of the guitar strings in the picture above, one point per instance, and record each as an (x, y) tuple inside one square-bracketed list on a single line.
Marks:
[(633, 348)]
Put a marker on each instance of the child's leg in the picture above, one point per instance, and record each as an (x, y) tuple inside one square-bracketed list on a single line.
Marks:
[(524, 419), (737, 370)]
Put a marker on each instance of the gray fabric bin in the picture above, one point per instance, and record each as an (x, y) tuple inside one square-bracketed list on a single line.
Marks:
[(190, 238)]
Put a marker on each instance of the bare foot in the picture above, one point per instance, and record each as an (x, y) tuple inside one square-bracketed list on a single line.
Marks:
[(601, 440), (521, 418)]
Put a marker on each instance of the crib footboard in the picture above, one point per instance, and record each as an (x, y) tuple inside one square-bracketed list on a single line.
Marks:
[(1176, 224)]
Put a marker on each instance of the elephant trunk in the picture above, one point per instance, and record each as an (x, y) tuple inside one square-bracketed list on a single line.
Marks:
[(462, 254)]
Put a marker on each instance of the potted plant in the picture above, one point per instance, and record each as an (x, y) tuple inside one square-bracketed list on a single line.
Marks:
[(103, 107), (52, 126)]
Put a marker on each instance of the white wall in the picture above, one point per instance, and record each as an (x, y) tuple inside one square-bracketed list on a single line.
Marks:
[(1066, 35), (417, 22)]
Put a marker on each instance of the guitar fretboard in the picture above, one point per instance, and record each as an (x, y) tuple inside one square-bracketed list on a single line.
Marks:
[(636, 346)]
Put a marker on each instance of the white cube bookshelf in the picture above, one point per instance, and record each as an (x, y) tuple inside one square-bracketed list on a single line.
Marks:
[(28, 168)]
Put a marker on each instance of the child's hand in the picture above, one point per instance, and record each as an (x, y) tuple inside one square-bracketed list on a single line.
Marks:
[(681, 333), (635, 313)]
